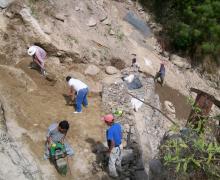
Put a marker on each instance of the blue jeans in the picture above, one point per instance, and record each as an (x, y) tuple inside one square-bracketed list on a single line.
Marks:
[(81, 98)]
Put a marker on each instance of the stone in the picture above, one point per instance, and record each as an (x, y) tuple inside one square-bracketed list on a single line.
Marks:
[(166, 54), (9, 14), (60, 17), (126, 127), (107, 22), (55, 60), (111, 70), (29, 20), (5, 3), (92, 22), (155, 166), (147, 18), (47, 29), (100, 2), (102, 17), (179, 61), (68, 60), (59, 53), (169, 107), (111, 32), (92, 70), (127, 155), (77, 8)]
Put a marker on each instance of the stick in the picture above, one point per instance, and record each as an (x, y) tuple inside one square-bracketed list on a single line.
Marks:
[(154, 108)]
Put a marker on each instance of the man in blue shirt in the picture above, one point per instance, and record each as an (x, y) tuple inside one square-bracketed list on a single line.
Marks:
[(161, 74), (113, 136)]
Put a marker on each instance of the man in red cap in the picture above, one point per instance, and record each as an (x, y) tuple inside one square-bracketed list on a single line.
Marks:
[(114, 137)]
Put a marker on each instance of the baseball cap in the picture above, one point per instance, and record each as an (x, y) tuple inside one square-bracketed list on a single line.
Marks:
[(108, 118)]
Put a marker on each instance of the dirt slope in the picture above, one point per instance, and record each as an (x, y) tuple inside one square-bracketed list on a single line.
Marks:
[(38, 109)]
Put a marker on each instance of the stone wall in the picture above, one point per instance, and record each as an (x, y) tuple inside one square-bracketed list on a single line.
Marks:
[(142, 130)]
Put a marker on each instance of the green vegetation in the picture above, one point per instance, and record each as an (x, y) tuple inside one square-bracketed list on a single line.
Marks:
[(192, 25), (193, 152)]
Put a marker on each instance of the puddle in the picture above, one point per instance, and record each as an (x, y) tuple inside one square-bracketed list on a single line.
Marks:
[(179, 101)]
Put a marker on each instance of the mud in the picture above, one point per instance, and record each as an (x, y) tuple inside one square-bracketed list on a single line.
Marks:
[(166, 93)]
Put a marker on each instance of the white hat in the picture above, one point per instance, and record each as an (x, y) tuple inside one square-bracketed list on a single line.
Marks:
[(31, 51)]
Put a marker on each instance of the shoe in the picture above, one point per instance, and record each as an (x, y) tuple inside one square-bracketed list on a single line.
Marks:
[(76, 112)]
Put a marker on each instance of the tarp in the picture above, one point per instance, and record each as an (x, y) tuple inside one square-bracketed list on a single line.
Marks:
[(138, 23)]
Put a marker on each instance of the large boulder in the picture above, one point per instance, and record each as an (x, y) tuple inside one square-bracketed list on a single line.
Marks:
[(111, 70), (179, 61), (92, 70), (5, 3)]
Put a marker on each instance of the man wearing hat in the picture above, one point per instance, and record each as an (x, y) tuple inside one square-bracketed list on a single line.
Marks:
[(114, 137), (38, 54)]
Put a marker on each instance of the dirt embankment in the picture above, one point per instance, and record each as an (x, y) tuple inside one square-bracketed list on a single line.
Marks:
[(36, 110)]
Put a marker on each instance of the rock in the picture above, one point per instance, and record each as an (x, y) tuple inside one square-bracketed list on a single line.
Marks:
[(166, 54), (68, 60), (111, 32), (112, 79), (99, 2), (155, 166), (92, 70), (127, 155), (30, 21), (77, 8), (111, 70), (9, 14), (179, 61), (21, 77), (5, 3), (92, 22), (126, 127), (55, 60), (47, 29), (140, 175), (102, 17), (169, 107), (147, 18), (59, 53), (60, 17), (107, 22)]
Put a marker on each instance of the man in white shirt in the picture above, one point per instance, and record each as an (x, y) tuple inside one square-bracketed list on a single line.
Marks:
[(81, 90)]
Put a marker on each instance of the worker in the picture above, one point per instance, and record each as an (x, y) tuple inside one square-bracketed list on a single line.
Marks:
[(56, 134), (135, 64), (38, 56), (160, 74), (78, 91), (114, 137)]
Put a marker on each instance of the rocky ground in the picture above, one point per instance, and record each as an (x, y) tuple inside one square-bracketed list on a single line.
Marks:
[(93, 41)]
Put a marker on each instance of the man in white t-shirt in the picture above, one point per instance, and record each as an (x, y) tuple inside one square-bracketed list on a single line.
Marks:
[(81, 90)]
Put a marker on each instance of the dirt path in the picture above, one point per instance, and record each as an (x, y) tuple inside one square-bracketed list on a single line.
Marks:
[(38, 109)]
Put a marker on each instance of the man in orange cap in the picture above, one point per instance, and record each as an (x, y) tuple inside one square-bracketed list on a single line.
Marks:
[(114, 137)]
